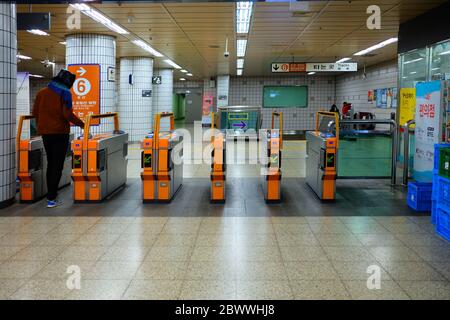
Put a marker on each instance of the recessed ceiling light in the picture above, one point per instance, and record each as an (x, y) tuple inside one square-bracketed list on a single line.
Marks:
[(239, 72), (189, 74), (243, 16), (184, 71), (311, 73), (182, 79), (241, 45), (343, 60), (377, 46), (99, 17), (173, 64), (21, 56), (240, 63), (63, 43), (38, 32), (35, 75), (413, 72), (147, 48)]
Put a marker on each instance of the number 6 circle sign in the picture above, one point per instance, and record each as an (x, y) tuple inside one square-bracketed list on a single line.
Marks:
[(86, 90)]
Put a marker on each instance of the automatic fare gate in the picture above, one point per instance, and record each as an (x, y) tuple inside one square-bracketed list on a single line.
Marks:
[(161, 176), (32, 165), (218, 164), (99, 162), (272, 144), (322, 148)]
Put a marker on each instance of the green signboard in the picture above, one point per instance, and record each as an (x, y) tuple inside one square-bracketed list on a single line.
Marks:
[(238, 116), (285, 97)]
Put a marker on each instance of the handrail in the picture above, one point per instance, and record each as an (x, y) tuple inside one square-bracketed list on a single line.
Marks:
[(280, 119), (394, 132), (90, 117), (329, 114), (157, 125), (407, 128)]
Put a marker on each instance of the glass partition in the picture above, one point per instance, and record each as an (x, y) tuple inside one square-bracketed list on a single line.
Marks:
[(440, 61), (413, 66)]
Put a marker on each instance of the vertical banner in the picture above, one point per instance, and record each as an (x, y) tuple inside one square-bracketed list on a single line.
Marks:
[(86, 90), (407, 105), (428, 128), (207, 106)]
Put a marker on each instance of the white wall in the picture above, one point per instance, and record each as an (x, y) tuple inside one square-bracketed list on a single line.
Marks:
[(353, 88)]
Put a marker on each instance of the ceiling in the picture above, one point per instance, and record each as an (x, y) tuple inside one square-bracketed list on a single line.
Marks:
[(194, 34)]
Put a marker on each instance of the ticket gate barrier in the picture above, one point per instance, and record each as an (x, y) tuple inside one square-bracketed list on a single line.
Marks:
[(272, 144), (218, 164), (32, 166), (321, 162), (99, 166), (161, 176)]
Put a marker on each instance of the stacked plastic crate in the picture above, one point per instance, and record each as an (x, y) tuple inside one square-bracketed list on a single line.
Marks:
[(440, 214)]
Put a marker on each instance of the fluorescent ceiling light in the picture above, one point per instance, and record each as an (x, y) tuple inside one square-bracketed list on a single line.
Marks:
[(147, 48), (311, 73), (182, 79), (434, 69), (377, 46), (63, 43), (412, 61), (413, 72), (173, 64), (343, 60), (38, 32), (35, 75), (184, 71), (189, 74), (239, 72), (21, 56), (444, 53), (243, 16), (241, 46), (99, 17), (240, 63)]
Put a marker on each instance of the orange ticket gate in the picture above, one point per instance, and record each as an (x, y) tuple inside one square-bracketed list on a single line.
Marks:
[(99, 166), (321, 161), (161, 162), (32, 165), (218, 164), (271, 146)]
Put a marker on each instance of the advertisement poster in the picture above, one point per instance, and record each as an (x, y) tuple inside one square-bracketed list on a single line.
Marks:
[(207, 107), (428, 128), (370, 96), (407, 105), (385, 98), (86, 90)]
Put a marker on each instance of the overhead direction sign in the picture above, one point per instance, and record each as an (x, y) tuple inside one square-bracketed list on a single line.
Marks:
[(86, 90), (286, 67)]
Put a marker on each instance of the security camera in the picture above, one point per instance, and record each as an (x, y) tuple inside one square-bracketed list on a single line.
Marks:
[(47, 63), (226, 54)]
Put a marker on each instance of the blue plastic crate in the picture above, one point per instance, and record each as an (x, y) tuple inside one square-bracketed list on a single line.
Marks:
[(419, 195), (443, 192), (436, 155), (435, 191), (443, 222), (433, 211)]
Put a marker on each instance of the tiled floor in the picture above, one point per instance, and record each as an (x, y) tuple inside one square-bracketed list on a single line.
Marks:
[(244, 249)]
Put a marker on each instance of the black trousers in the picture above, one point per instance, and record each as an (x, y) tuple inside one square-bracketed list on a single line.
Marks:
[(56, 146)]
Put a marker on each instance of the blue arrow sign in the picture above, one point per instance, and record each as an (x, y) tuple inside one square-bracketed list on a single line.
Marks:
[(242, 124)]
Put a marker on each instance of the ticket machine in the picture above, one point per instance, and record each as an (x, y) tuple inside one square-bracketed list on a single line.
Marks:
[(100, 161), (32, 166), (271, 146), (218, 163), (161, 162), (321, 162)]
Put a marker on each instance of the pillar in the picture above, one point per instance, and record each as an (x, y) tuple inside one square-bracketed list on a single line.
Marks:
[(96, 49), (135, 106), (8, 85), (163, 94)]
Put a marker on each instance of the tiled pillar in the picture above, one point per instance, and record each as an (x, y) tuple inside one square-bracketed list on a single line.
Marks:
[(135, 108), (96, 49), (163, 94), (223, 88), (8, 87)]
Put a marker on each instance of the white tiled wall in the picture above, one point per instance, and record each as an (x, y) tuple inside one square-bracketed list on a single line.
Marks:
[(353, 88), (8, 84), (249, 91), (135, 111), (163, 95), (96, 49)]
